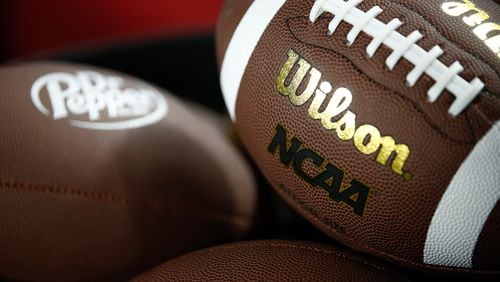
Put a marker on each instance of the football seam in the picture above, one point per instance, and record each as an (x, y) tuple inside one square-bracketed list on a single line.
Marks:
[(93, 195), (292, 246), (338, 254), (406, 99), (457, 45), (234, 219)]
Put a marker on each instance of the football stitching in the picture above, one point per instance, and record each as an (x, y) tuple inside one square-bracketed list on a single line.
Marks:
[(457, 44), (238, 220), (445, 77), (237, 246), (93, 195), (408, 100), (234, 219), (338, 254)]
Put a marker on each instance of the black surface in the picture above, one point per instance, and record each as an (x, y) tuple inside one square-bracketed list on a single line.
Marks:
[(3, 33), (183, 66)]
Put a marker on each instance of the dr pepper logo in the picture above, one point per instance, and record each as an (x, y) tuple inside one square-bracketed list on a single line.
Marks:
[(88, 99)]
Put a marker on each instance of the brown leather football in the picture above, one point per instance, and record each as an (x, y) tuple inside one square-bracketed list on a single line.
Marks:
[(377, 120), (103, 176), (273, 261)]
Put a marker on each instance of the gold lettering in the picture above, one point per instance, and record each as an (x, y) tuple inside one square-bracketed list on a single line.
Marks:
[(389, 147), (314, 112), (476, 20), (300, 74), (494, 44), (483, 30), (456, 9), (371, 133), (367, 138), (339, 102), (346, 126)]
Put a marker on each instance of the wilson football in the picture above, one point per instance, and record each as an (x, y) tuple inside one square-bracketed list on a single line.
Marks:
[(103, 176), (377, 120), (273, 261)]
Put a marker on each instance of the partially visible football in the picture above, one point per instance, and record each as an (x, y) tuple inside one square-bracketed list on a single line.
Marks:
[(103, 176), (377, 120), (273, 260)]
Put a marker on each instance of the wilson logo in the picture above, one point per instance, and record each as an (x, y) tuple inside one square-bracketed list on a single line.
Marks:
[(478, 20), (336, 115), (92, 100), (329, 177)]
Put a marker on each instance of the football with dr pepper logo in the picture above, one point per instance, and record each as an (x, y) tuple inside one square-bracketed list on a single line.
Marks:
[(377, 120), (103, 176)]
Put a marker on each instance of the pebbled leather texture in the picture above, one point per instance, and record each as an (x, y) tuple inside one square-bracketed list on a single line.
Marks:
[(273, 261), (81, 204), (398, 211)]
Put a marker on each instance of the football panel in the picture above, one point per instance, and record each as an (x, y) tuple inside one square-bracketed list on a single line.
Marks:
[(273, 261), (469, 24), (75, 197), (230, 16), (465, 206), (251, 139), (238, 52)]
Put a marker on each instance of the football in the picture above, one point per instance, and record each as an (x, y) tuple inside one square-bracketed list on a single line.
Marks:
[(103, 176), (377, 120), (273, 260)]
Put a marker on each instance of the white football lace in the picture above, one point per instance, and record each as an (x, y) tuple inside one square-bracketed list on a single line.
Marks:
[(402, 47)]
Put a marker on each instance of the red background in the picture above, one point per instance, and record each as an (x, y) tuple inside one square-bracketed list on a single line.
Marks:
[(32, 26)]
